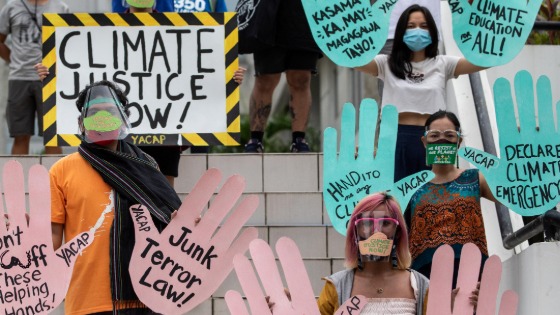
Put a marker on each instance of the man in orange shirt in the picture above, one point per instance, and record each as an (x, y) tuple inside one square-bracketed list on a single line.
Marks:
[(94, 188)]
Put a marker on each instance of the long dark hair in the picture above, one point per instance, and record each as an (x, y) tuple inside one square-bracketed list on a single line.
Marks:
[(443, 114), (399, 60)]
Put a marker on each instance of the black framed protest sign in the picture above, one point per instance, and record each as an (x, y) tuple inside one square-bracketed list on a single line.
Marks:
[(176, 69)]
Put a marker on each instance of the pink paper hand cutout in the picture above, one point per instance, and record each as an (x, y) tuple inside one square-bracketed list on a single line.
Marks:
[(180, 268), (353, 306), (32, 274), (439, 296), (302, 296)]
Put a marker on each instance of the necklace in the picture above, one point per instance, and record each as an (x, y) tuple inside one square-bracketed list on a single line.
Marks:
[(32, 15), (379, 290)]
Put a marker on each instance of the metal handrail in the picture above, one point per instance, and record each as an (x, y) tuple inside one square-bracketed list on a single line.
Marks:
[(504, 220), (551, 217), (546, 26)]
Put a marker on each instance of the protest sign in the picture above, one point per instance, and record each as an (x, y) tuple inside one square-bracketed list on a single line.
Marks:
[(525, 177), (353, 306), (492, 32), (175, 270), (349, 32), (441, 281), (302, 299), (176, 70), (347, 178), (34, 278)]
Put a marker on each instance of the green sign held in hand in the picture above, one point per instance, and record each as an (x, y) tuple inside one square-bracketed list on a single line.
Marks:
[(348, 178), (349, 32), (492, 32), (526, 176)]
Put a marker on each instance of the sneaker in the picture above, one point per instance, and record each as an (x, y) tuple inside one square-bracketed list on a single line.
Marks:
[(300, 146), (254, 146)]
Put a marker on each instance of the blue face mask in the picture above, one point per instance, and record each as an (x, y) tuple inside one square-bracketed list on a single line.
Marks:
[(417, 39)]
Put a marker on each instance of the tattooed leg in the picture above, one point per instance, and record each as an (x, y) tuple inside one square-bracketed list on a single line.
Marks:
[(260, 104), (299, 83)]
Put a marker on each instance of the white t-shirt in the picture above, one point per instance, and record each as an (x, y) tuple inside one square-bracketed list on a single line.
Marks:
[(424, 90), (401, 5), (22, 20)]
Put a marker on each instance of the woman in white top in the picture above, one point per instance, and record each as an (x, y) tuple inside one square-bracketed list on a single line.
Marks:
[(415, 77)]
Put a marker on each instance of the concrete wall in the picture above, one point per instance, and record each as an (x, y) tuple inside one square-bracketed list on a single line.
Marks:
[(535, 276)]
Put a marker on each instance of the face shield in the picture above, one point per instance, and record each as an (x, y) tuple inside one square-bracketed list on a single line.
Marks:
[(103, 116), (375, 237)]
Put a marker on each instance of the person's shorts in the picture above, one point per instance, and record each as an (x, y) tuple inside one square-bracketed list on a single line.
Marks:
[(25, 101), (167, 158), (278, 60)]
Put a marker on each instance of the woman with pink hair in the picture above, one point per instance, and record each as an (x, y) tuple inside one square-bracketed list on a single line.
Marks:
[(376, 233)]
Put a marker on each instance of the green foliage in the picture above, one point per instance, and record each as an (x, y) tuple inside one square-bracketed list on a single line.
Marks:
[(549, 11)]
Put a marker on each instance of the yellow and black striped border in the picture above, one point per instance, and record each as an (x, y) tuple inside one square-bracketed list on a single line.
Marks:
[(229, 137)]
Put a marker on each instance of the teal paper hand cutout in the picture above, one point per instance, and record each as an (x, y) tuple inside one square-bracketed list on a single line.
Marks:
[(349, 32), (526, 176), (348, 179), (492, 32)]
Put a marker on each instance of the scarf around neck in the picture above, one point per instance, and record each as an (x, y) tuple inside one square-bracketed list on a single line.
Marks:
[(135, 179)]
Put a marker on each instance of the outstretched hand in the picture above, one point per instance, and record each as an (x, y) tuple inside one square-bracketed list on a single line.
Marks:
[(32, 273), (348, 178), (176, 270), (525, 176), (469, 296), (492, 32), (349, 32), (302, 297)]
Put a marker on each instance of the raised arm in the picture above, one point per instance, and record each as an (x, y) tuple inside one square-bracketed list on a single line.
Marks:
[(465, 67), (485, 190), (370, 68)]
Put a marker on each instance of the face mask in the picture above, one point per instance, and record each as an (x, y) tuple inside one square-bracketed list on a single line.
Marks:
[(417, 39), (441, 151), (102, 128), (378, 245)]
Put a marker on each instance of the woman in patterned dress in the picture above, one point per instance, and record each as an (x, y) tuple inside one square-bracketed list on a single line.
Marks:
[(447, 209)]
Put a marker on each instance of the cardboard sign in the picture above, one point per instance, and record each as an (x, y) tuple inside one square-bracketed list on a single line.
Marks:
[(176, 70), (347, 179), (492, 32), (34, 278), (441, 281), (353, 306), (180, 268), (302, 297), (525, 177), (378, 244), (349, 32)]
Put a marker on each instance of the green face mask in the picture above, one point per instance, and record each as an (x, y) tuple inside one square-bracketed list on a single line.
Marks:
[(141, 3), (102, 121), (441, 153)]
